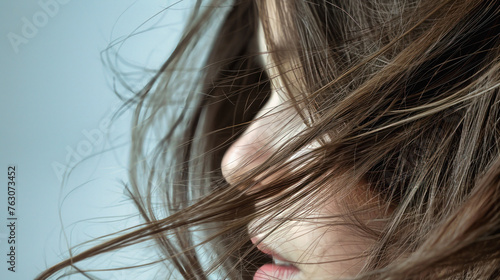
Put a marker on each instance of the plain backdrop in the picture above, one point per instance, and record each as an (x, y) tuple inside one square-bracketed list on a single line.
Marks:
[(55, 103)]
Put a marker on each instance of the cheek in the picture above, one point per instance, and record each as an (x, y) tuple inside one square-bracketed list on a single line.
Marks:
[(319, 242), (331, 250), (316, 234)]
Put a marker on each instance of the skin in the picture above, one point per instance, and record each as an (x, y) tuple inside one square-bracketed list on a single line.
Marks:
[(318, 250)]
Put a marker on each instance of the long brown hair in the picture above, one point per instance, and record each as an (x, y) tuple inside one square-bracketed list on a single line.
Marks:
[(401, 95)]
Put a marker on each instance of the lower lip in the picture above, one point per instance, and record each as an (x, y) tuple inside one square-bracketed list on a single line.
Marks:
[(273, 271)]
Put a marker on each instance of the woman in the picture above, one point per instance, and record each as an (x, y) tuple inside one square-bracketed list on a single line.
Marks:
[(324, 140)]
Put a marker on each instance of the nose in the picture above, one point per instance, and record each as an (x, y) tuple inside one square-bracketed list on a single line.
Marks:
[(254, 145)]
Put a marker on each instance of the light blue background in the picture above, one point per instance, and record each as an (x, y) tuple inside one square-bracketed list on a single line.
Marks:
[(56, 92)]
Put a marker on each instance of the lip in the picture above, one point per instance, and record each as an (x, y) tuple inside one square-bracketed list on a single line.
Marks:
[(273, 271)]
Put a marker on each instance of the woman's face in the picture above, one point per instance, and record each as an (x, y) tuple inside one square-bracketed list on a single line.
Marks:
[(318, 250)]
